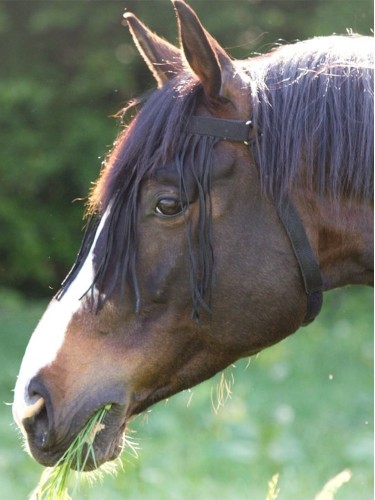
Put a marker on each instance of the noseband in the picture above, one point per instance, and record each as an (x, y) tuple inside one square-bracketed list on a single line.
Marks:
[(241, 131)]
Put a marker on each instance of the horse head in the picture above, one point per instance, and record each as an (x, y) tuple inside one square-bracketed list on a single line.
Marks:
[(185, 266)]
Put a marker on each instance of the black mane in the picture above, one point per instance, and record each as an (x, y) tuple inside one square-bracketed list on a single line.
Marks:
[(313, 103)]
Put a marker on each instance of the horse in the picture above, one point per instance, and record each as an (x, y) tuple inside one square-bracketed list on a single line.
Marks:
[(239, 192)]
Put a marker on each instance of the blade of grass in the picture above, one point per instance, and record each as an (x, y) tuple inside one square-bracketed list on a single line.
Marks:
[(333, 485), (273, 490)]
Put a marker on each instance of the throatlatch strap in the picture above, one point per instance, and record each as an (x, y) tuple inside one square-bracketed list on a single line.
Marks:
[(306, 259)]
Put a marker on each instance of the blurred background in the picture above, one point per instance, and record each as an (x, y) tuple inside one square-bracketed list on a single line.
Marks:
[(303, 408)]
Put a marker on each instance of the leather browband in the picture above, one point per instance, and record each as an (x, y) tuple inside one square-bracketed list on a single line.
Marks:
[(228, 130), (237, 130)]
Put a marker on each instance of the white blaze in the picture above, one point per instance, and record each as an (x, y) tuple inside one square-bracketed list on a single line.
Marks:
[(48, 337)]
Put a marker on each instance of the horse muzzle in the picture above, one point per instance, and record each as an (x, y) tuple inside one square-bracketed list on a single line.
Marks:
[(49, 429)]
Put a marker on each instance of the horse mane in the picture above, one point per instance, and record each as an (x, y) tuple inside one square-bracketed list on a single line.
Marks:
[(312, 105)]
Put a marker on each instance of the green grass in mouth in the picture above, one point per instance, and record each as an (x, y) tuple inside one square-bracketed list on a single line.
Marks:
[(53, 484)]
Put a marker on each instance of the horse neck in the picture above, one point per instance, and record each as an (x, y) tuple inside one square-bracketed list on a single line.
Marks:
[(341, 234)]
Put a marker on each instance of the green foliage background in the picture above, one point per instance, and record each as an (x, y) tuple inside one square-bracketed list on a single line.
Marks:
[(66, 67)]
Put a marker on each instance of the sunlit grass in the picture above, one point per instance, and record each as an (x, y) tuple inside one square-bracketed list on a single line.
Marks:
[(333, 485), (273, 490), (328, 491)]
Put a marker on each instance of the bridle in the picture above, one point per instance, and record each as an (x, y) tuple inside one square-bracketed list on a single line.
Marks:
[(241, 131)]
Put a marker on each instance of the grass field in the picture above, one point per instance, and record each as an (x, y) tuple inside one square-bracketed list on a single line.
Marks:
[(303, 409)]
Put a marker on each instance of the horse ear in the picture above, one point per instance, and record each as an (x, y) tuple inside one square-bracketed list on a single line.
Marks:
[(163, 58), (205, 56)]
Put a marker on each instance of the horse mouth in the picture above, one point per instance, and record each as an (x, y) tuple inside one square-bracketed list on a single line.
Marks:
[(104, 445), (107, 443)]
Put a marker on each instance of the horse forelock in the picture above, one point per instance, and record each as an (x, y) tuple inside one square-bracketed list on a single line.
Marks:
[(150, 140), (155, 138)]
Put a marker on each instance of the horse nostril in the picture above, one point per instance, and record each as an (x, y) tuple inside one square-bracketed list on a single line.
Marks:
[(37, 426), (36, 404), (35, 398), (35, 418)]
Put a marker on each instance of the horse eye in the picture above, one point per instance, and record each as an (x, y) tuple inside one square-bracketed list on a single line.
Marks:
[(168, 207)]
